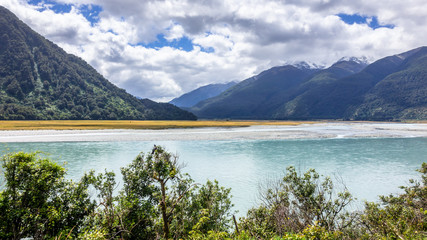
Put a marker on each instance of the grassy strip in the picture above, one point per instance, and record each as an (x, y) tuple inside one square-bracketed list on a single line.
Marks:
[(130, 124)]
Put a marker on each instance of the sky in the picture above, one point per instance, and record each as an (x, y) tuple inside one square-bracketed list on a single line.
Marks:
[(161, 49)]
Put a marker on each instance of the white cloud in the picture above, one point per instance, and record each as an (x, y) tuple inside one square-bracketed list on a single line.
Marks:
[(175, 32), (220, 44), (247, 36)]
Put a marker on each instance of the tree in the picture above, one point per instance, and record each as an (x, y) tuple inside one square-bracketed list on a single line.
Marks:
[(14, 89), (157, 201), (207, 208), (155, 188), (107, 221), (298, 202), (158, 180), (37, 201), (400, 217)]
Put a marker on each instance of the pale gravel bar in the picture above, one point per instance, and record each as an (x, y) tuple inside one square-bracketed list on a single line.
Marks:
[(303, 131)]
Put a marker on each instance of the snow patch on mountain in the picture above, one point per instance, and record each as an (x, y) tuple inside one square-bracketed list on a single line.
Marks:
[(307, 65), (360, 60)]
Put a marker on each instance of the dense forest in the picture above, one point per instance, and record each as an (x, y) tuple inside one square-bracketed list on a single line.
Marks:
[(39, 80), (159, 201)]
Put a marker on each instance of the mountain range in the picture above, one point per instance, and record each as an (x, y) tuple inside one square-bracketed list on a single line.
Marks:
[(208, 91), (392, 88), (39, 80)]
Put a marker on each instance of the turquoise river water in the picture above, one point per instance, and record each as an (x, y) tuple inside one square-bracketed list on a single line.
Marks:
[(367, 166)]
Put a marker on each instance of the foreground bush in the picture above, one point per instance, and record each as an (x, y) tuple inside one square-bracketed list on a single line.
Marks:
[(38, 202), (297, 203), (158, 201), (399, 217)]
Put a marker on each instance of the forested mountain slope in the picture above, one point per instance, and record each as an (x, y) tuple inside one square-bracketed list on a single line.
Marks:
[(392, 88), (256, 97), (309, 97), (39, 80), (401, 95)]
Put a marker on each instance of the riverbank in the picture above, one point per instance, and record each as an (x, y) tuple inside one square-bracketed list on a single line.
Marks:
[(131, 124), (267, 131)]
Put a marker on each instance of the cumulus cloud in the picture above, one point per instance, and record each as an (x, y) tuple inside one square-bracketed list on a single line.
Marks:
[(231, 39)]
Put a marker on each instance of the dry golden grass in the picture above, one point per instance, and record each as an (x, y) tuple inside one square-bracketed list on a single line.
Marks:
[(129, 124)]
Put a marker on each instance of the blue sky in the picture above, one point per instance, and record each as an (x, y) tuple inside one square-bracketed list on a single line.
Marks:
[(371, 21), (183, 43), (89, 11), (162, 49)]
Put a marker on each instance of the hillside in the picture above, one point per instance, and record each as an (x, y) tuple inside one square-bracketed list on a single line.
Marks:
[(392, 88), (192, 98), (39, 80), (401, 95), (310, 98), (361, 95), (256, 97)]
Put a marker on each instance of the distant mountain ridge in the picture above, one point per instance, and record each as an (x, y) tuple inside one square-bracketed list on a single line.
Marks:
[(306, 65), (256, 97), (400, 95), (39, 80), (192, 98), (392, 88), (361, 60)]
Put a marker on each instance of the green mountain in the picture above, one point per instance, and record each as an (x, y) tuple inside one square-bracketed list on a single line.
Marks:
[(392, 88), (39, 80), (401, 95), (310, 101), (192, 98), (256, 97)]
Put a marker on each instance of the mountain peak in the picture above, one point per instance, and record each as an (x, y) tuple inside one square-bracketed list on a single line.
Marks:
[(306, 65), (190, 99), (360, 60)]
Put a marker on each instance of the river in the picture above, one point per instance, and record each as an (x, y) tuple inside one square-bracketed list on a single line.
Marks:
[(367, 166)]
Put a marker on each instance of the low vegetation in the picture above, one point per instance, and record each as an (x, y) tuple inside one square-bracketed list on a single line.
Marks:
[(159, 201), (110, 124)]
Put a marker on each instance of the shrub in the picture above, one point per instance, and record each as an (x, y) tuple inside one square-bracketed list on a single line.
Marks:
[(37, 201), (297, 202)]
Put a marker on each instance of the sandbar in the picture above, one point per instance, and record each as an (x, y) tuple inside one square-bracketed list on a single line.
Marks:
[(303, 131)]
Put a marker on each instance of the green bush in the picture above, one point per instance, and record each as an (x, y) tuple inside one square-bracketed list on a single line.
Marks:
[(37, 201), (400, 217), (158, 201), (297, 202)]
